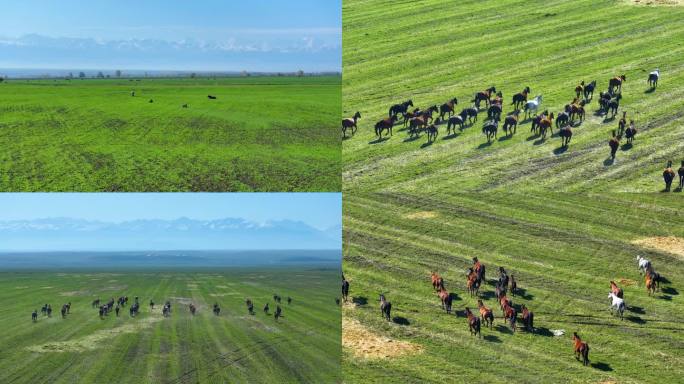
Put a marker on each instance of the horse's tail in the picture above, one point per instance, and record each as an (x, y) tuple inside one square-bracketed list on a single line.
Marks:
[(585, 354)]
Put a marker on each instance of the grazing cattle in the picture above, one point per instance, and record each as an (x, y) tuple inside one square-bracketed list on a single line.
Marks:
[(490, 128), (278, 312), (579, 89), (486, 314), (445, 299), (432, 131), (546, 123), (350, 123), (565, 134), (614, 144), (437, 281), (483, 95), (616, 83), (589, 90), (447, 108), (453, 122), (473, 323), (470, 114), (617, 303), (614, 104), (680, 173), (494, 112), (668, 176), (211, 97), (630, 132), (385, 124), (385, 308), (345, 289), (581, 349), (653, 78), (615, 289), (400, 108), (520, 98), (216, 309), (531, 106), (510, 125), (528, 319), (34, 315)]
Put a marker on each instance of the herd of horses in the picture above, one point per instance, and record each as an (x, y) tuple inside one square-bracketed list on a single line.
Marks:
[(428, 120), (104, 309), (504, 285), (186, 105)]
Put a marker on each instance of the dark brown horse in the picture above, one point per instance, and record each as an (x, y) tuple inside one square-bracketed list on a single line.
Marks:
[(565, 134), (473, 323), (519, 99), (350, 123), (510, 124), (448, 108), (579, 89), (470, 114), (581, 349), (385, 124), (528, 319), (622, 123), (400, 108), (616, 83), (545, 123), (437, 281), (614, 104), (385, 308), (417, 124), (668, 175), (680, 173), (614, 144), (589, 90), (345, 290), (453, 122), (490, 129), (483, 95), (630, 132)]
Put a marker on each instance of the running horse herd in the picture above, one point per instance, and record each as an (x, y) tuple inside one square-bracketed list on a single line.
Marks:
[(505, 285), (417, 120), (104, 309)]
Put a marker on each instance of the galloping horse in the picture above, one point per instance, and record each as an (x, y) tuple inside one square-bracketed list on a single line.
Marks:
[(470, 114), (448, 108), (193, 309), (473, 323), (520, 98), (616, 290), (278, 313), (511, 123), (494, 111), (350, 123), (490, 128), (514, 285), (531, 106), (385, 124), (614, 144), (510, 314), (668, 175), (618, 303), (486, 314), (546, 122), (437, 281), (650, 284), (528, 319), (453, 121), (216, 309), (400, 108), (622, 123), (385, 307), (565, 134), (630, 132), (432, 131), (653, 78), (579, 89), (446, 300), (616, 82), (417, 124), (589, 90), (643, 263), (581, 348), (614, 104), (483, 95)]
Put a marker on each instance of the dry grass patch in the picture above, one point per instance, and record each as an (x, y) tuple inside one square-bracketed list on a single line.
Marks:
[(668, 3), (669, 244), (421, 215), (367, 345)]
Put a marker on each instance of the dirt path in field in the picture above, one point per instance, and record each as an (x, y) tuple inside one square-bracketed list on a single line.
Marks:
[(97, 339), (669, 244), (367, 345)]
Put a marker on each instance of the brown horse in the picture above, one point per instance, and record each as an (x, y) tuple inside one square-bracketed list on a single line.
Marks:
[(579, 89), (511, 123), (614, 144), (565, 134), (473, 323), (668, 175), (617, 291), (581, 349), (630, 132), (485, 95), (616, 82), (472, 284), (385, 308), (437, 281), (385, 124), (486, 314), (528, 319), (350, 123), (622, 123), (511, 315), (447, 108), (416, 124), (545, 123), (650, 284), (519, 99), (514, 285), (446, 299)]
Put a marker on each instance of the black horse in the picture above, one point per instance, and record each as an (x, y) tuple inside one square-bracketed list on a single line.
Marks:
[(211, 97), (680, 173), (447, 108), (216, 309), (34, 316), (278, 312), (385, 307), (470, 114), (345, 290), (668, 176), (519, 99), (400, 108), (589, 90), (490, 128)]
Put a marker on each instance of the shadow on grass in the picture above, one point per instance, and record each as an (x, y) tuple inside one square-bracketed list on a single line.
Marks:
[(454, 297), (540, 141), (451, 136), (378, 140), (635, 309), (484, 145), (487, 295), (425, 145), (608, 162), (650, 90), (522, 293), (360, 300), (626, 147), (670, 291), (503, 329), (411, 138), (491, 338), (532, 137), (635, 319), (543, 331), (560, 150), (666, 297), (601, 367), (506, 137), (400, 320)]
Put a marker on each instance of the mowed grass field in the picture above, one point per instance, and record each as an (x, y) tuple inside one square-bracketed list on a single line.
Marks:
[(303, 346), (260, 134), (432, 51), (563, 250)]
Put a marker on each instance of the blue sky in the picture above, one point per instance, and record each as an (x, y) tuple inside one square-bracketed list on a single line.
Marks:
[(275, 35), (319, 210)]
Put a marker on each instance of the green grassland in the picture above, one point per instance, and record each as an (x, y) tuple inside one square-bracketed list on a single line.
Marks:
[(563, 249), (260, 134), (303, 346), (431, 51)]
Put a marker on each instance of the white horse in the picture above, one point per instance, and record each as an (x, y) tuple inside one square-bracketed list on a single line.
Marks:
[(532, 105), (644, 264), (618, 304)]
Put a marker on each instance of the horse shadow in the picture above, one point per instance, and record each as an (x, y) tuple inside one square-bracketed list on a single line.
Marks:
[(560, 150), (487, 295), (532, 137), (360, 300), (635, 319), (666, 297), (484, 145), (608, 119), (543, 332), (503, 329), (425, 145), (540, 141), (522, 293), (399, 320), (635, 309), (454, 297), (379, 140), (608, 162), (506, 137), (650, 90), (411, 138), (626, 147), (605, 367), (451, 136), (664, 280), (670, 291), (491, 338)]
